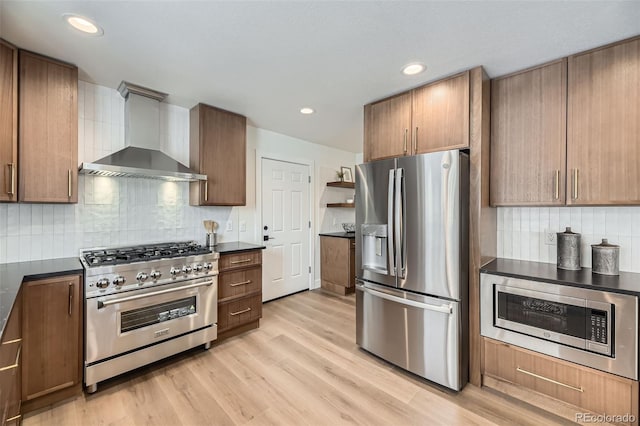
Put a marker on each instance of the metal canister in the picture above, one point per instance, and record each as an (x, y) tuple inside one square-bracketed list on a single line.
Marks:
[(569, 250), (605, 258)]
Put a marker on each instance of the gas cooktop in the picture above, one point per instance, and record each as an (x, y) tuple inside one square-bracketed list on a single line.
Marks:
[(142, 253)]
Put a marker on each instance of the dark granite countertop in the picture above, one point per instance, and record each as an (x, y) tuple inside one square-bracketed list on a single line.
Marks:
[(13, 274), (351, 235), (626, 282), (236, 247)]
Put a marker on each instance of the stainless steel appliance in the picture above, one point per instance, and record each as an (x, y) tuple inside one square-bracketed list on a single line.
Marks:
[(412, 263), (594, 328), (145, 303)]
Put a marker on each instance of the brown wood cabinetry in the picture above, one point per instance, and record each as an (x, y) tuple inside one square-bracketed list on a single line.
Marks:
[(8, 122), (239, 292), (603, 137), (52, 339), (434, 117), (218, 149), (48, 130), (583, 387), (10, 367), (337, 264), (528, 136)]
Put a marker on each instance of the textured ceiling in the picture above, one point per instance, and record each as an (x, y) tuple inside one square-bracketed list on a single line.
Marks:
[(267, 59)]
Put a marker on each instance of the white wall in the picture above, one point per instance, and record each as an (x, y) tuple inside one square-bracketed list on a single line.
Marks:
[(521, 232), (122, 211)]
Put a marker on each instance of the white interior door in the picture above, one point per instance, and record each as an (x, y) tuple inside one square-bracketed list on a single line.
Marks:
[(285, 221)]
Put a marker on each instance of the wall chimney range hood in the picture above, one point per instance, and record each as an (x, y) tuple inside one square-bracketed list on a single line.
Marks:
[(141, 157)]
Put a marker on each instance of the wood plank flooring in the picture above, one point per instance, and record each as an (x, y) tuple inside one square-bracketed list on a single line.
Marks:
[(301, 367)]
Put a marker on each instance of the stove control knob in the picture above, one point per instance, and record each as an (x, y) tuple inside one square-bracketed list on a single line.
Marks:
[(174, 271), (155, 274), (208, 266), (186, 269), (118, 280), (102, 283), (142, 276), (198, 267)]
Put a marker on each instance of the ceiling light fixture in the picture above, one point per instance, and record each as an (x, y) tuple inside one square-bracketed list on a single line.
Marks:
[(413, 69), (83, 24), (306, 110)]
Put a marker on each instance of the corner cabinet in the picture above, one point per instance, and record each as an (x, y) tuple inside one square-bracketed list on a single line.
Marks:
[(218, 149), (48, 130), (603, 137), (528, 136), (52, 321), (434, 117), (8, 122)]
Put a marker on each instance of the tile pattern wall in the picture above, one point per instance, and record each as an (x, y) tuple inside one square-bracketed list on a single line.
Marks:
[(110, 211), (521, 232)]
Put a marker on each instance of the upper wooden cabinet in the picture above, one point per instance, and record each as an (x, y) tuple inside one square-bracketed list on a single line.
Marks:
[(48, 130), (603, 138), (218, 149), (8, 122), (528, 136), (434, 117)]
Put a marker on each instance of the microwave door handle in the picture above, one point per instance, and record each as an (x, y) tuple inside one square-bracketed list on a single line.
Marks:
[(390, 242), (399, 231)]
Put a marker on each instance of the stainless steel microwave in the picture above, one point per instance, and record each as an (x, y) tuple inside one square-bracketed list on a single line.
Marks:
[(593, 328)]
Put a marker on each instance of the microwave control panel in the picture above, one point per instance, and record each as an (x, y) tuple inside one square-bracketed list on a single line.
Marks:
[(598, 326)]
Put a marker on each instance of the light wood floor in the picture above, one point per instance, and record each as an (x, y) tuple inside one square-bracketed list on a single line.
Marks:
[(301, 366)]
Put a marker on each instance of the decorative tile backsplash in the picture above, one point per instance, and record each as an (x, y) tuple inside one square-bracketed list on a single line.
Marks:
[(522, 232)]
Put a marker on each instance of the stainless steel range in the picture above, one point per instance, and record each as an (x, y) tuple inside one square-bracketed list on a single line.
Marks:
[(145, 303)]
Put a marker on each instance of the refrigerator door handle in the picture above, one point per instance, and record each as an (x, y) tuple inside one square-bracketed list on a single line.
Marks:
[(390, 243), (399, 231), (445, 309)]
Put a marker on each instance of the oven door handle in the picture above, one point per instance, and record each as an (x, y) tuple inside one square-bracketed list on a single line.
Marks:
[(106, 303)]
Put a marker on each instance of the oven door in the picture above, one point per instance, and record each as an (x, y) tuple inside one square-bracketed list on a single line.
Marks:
[(123, 322)]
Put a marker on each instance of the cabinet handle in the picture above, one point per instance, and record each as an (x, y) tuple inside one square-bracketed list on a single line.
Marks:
[(9, 342), (233, 314), (9, 420), (240, 283), (235, 262), (404, 145), (12, 174), (415, 141), (69, 183), (206, 190), (576, 176), (556, 191), (555, 382), (15, 364), (70, 297)]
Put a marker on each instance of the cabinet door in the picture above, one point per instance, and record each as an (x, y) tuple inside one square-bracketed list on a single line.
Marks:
[(528, 137), (603, 144), (335, 258), (8, 122), (441, 115), (52, 325), (48, 136), (387, 128), (221, 154)]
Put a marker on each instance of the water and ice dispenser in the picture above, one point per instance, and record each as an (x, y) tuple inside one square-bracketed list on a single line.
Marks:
[(374, 248)]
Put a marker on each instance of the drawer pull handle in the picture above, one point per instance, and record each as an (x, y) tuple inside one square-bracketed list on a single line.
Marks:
[(233, 314), (9, 420), (240, 283), (15, 364), (8, 342), (555, 382), (235, 262)]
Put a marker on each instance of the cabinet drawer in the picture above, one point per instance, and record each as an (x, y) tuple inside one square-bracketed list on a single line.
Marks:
[(581, 386), (240, 260), (232, 284), (235, 313)]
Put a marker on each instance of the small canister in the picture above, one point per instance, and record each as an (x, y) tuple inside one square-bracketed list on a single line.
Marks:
[(212, 239), (569, 250), (605, 258)]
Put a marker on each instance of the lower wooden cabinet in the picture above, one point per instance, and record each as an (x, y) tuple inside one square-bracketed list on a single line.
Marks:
[(10, 367), (337, 264), (586, 388), (239, 293), (52, 320)]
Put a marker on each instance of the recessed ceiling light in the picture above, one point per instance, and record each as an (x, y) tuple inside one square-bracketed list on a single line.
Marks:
[(307, 110), (413, 69), (83, 24)]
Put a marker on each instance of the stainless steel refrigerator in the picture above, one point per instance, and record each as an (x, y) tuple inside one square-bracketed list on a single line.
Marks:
[(412, 263)]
